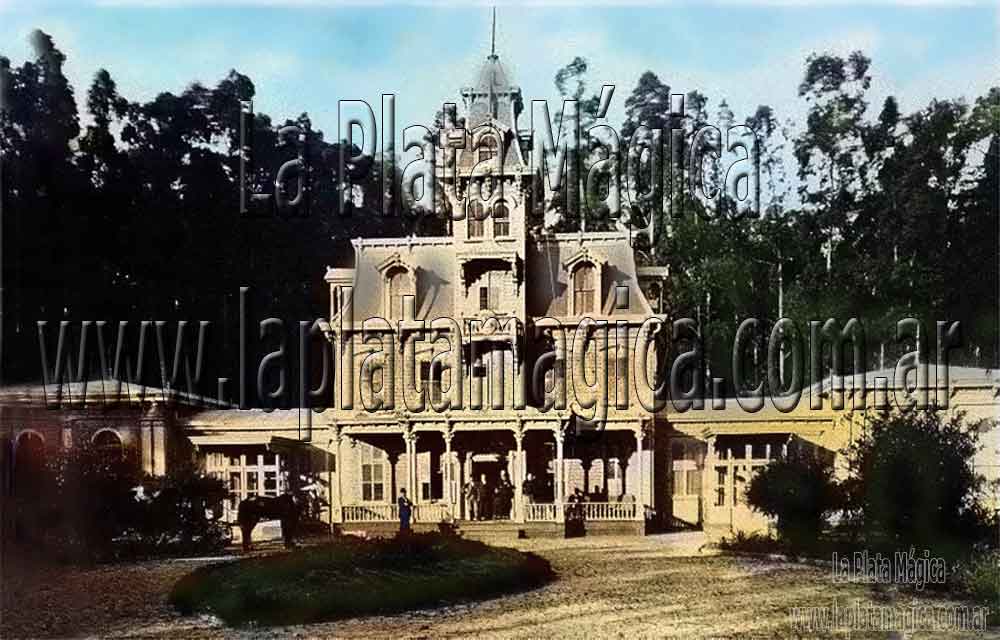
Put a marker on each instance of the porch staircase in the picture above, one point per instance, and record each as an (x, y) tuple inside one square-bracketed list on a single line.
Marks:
[(498, 531)]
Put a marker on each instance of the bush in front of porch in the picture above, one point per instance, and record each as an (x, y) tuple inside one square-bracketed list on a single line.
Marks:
[(356, 577)]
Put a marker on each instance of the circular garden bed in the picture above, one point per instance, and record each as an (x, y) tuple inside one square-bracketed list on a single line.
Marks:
[(354, 577)]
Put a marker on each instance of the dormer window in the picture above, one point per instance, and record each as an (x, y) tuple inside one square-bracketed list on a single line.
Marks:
[(398, 281), (584, 288), (586, 277), (477, 213), (501, 220)]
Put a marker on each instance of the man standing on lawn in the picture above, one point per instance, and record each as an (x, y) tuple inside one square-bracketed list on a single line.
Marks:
[(405, 511)]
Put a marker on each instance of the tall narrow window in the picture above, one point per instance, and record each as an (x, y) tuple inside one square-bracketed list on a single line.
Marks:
[(399, 286), (678, 482), (431, 376), (479, 368), (425, 376), (722, 480), (476, 215), (584, 289), (372, 474), (501, 221), (487, 148), (489, 290), (614, 469)]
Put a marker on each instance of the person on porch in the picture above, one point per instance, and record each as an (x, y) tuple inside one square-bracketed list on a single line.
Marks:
[(473, 489), (484, 496), (405, 511), (529, 489), (503, 498)]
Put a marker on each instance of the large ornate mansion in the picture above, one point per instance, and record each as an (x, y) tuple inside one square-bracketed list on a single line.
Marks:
[(469, 355)]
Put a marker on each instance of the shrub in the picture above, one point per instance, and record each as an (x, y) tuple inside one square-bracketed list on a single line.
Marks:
[(752, 543), (78, 502), (173, 516), (981, 581), (87, 505), (352, 577), (799, 492), (912, 483)]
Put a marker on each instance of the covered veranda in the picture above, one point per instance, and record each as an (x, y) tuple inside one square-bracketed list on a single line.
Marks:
[(436, 459)]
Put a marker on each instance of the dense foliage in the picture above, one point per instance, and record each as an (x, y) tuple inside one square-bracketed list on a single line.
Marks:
[(131, 211), (354, 577), (912, 483), (799, 491), (88, 504)]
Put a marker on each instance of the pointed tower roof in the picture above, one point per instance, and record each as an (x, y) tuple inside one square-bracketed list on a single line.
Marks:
[(492, 76)]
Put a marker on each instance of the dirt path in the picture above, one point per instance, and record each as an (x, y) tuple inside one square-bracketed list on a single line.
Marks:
[(657, 586)]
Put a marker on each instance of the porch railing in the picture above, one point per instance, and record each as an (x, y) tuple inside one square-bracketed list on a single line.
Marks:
[(431, 512), (388, 512), (540, 512), (609, 510), (369, 512)]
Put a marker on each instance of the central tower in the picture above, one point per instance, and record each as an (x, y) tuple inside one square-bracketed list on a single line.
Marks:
[(486, 181)]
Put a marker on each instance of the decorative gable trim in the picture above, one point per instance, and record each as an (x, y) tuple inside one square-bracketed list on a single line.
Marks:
[(395, 260), (585, 255)]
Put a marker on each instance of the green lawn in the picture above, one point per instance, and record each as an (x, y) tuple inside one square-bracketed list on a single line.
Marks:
[(355, 577)]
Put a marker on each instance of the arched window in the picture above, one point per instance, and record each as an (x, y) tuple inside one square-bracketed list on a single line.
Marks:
[(487, 148), (29, 462), (584, 288), (476, 216), (501, 220), (29, 445), (398, 282), (108, 445)]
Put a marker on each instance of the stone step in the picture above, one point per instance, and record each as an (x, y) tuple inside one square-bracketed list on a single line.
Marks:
[(489, 531)]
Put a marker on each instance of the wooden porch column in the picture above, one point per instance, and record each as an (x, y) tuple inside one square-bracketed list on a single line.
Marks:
[(708, 479), (337, 513), (560, 497), (410, 439), (466, 463), (449, 496), (640, 511), (519, 469)]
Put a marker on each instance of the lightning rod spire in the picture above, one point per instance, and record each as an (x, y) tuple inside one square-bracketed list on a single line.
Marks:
[(493, 39)]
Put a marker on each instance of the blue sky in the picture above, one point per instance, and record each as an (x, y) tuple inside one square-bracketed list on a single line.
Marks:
[(306, 58)]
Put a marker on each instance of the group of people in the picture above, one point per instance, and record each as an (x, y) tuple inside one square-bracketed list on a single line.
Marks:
[(489, 502), (495, 502), (486, 501)]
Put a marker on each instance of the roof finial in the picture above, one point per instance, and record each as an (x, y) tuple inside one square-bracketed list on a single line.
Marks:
[(493, 39)]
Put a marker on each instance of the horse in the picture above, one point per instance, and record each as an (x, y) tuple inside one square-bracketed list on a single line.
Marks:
[(284, 508)]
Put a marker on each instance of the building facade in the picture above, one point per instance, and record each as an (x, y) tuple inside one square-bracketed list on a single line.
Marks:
[(495, 351)]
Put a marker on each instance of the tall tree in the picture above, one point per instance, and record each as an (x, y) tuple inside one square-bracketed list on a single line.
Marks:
[(829, 150)]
